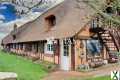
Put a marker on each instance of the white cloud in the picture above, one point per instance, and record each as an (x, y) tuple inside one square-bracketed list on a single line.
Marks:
[(7, 27), (3, 7), (1, 21), (2, 17)]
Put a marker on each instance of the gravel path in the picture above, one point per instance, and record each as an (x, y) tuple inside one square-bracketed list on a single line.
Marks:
[(63, 75)]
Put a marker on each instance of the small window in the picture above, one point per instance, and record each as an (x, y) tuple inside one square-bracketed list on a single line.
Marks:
[(14, 37), (50, 47), (29, 47), (51, 20), (109, 10), (95, 23), (21, 46), (14, 46)]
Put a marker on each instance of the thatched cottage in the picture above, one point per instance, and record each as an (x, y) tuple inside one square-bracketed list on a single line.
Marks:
[(69, 34)]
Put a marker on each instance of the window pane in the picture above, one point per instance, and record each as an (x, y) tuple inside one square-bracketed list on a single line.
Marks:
[(66, 48), (50, 47), (94, 47)]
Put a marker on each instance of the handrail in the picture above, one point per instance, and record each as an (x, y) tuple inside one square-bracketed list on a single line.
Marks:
[(114, 40), (117, 37)]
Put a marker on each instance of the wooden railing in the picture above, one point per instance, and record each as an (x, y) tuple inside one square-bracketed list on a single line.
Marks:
[(113, 36)]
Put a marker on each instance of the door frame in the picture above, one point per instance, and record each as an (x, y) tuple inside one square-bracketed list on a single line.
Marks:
[(62, 55)]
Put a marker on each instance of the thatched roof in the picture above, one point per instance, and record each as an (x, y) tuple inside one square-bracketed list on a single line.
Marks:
[(72, 16)]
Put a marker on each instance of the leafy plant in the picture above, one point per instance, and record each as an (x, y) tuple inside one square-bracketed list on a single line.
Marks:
[(95, 4)]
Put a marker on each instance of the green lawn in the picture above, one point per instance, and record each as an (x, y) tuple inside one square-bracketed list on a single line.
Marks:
[(100, 78), (97, 78), (26, 69)]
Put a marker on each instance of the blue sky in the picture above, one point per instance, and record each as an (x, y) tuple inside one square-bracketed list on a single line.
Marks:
[(8, 17)]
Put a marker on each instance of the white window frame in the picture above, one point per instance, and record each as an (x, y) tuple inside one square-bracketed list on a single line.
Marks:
[(49, 49)]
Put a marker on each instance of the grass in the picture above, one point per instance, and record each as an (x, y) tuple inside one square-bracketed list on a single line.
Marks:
[(96, 78), (26, 69), (100, 78)]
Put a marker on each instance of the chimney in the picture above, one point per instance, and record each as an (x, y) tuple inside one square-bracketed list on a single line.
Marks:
[(15, 27)]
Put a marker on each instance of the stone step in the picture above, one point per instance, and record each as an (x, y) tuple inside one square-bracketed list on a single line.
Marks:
[(8, 76)]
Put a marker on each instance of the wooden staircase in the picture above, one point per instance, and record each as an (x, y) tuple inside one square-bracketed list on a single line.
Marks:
[(110, 38)]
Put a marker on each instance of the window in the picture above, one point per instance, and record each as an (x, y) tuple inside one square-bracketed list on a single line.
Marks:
[(66, 47), (51, 21), (109, 10), (94, 47), (11, 46), (14, 37), (14, 46), (21, 46), (95, 23), (49, 47), (29, 47)]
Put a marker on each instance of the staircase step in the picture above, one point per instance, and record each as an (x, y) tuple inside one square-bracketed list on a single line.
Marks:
[(109, 38), (111, 46), (108, 41), (112, 51), (105, 35)]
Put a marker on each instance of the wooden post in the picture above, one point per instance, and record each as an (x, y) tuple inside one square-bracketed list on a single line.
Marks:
[(85, 51)]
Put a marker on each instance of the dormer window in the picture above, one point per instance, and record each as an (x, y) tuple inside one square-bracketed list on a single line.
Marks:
[(14, 37), (51, 21), (109, 10)]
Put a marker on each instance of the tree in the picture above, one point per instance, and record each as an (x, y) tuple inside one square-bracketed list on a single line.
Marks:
[(114, 4), (25, 6)]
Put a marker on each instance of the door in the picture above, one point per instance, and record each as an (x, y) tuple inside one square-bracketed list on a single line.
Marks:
[(65, 61)]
